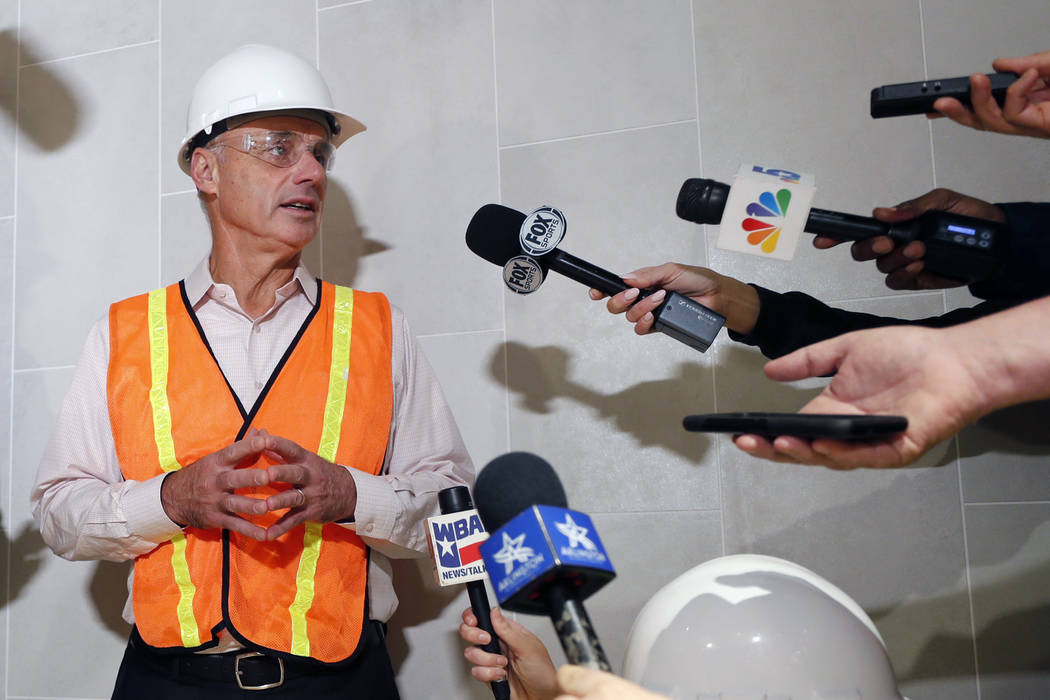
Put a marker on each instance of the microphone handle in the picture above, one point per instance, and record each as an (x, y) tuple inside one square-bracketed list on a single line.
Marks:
[(848, 226), (591, 275), (585, 273), (479, 603), (574, 629), (703, 201), (679, 317)]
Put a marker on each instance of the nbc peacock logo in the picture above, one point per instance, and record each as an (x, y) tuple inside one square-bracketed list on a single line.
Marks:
[(764, 219)]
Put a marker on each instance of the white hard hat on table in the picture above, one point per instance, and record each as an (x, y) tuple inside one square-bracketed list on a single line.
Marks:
[(751, 627)]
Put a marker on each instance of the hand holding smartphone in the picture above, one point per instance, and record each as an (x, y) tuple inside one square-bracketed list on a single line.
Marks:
[(900, 99)]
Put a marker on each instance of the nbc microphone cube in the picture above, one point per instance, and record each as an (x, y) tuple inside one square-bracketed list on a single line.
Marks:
[(455, 540), (540, 545)]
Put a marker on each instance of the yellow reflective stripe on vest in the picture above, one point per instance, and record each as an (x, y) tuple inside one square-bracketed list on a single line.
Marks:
[(335, 404), (158, 398)]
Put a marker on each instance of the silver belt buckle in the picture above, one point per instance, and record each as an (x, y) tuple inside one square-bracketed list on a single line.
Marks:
[(264, 686)]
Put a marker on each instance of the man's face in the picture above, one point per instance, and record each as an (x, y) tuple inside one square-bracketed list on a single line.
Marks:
[(278, 207)]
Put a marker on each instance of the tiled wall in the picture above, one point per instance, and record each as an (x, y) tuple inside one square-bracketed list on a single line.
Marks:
[(601, 108)]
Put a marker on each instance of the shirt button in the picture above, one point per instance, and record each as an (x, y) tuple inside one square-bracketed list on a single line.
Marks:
[(369, 527)]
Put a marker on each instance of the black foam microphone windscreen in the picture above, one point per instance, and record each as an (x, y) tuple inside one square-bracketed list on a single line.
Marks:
[(513, 482)]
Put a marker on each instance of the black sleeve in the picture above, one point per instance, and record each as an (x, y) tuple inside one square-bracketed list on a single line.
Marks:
[(1026, 269), (787, 322)]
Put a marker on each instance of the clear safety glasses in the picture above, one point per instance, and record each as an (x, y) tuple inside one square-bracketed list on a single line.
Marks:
[(280, 148)]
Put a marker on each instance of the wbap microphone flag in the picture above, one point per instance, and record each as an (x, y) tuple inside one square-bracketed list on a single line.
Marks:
[(455, 544)]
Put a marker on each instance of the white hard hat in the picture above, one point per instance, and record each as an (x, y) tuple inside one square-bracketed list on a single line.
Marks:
[(256, 78), (749, 627)]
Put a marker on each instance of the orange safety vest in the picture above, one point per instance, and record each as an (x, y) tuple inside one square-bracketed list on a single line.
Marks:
[(304, 594)]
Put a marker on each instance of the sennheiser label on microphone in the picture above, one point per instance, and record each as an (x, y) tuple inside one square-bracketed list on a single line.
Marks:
[(542, 231), (766, 212), (522, 275)]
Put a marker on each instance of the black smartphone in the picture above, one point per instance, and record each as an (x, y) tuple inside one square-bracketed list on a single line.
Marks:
[(900, 99), (840, 426)]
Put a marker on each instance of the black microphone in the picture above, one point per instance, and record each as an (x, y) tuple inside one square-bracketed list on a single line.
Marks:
[(960, 247), (493, 234), (454, 500), (551, 564)]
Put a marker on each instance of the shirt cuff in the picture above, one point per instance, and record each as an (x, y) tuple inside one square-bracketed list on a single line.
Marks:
[(377, 506), (145, 514)]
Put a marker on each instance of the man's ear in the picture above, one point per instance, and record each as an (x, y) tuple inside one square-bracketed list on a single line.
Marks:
[(204, 170)]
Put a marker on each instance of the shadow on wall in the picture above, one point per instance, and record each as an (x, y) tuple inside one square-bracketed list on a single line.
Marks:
[(421, 599), (109, 591), (336, 254), (538, 375), (26, 551), (1017, 430), (108, 584), (58, 128)]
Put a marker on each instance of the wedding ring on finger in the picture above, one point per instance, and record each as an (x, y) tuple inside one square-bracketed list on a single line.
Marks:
[(302, 497)]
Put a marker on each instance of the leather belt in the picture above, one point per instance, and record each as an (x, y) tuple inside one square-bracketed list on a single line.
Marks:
[(247, 669)]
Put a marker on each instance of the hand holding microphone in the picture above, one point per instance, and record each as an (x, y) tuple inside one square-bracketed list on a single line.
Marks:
[(526, 248), (455, 538), (525, 663), (964, 247), (904, 263), (542, 558), (728, 296)]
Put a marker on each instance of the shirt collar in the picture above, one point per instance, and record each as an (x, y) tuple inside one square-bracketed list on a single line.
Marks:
[(199, 282)]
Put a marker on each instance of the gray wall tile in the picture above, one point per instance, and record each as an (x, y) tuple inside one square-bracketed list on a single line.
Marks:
[(1009, 565), (184, 236), (89, 208), (13, 537), (968, 161), (468, 369), (53, 29), (574, 370), (566, 69), (773, 96), (8, 89), (65, 607), (427, 161)]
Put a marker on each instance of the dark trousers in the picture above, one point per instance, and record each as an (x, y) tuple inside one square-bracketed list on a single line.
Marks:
[(147, 673)]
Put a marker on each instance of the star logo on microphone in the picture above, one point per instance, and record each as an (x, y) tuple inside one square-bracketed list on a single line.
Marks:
[(769, 206), (577, 535), (513, 551), (448, 549)]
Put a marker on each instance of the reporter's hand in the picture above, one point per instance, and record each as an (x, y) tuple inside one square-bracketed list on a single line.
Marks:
[(201, 494), (926, 375), (525, 662), (320, 492), (1025, 110), (903, 265), (589, 684), (734, 299)]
